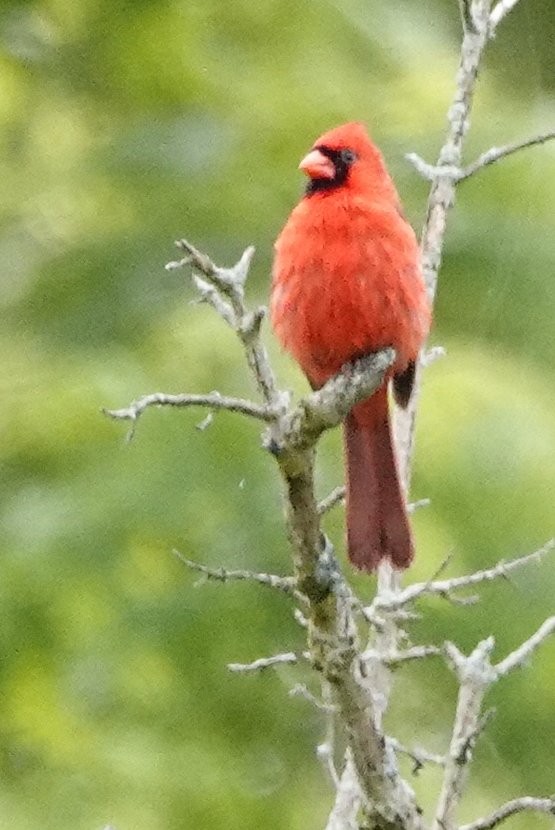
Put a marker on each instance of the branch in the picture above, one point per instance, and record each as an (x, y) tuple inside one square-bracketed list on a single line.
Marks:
[(498, 153), (347, 803), (475, 674), (224, 289), (446, 587), (519, 656), (286, 584), (419, 756), (213, 401), (500, 11), (465, 7), (475, 15), (337, 496), (395, 658), (511, 808), (328, 607), (328, 407), (289, 658), (300, 690)]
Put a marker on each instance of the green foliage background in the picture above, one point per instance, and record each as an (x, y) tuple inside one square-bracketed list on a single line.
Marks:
[(125, 125)]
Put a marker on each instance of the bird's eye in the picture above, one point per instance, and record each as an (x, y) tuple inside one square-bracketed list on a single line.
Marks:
[(348, 156)]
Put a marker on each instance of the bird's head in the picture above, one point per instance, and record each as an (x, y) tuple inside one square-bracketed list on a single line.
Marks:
[(344, 157)]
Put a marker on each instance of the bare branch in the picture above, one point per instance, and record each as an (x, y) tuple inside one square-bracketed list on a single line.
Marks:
[(300, 690), (475, 674), (446, 587), (444, 177), (419, 756), (430, 172), (500, 10), (228, 300), (336, 497), (519, 656), (431, 355), (286, 584), (289, 658), (517, 805), (213, 401), (224, 279), (324, 753), (348, 798), (395, 658), (326, 750), (497, 153), (327, 407), (465, 7)]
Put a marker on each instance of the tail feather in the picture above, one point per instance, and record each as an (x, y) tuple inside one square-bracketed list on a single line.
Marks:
[(377, 521)]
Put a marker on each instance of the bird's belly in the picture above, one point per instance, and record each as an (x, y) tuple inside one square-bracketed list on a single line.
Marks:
[(325, 320)]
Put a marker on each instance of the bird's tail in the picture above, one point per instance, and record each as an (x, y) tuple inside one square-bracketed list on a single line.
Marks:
[(377, 520)]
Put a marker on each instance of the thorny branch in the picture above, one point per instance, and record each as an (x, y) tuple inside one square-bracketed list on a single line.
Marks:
[(357, 697)]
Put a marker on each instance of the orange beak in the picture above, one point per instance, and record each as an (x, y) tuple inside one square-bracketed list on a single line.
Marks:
[(317, 166)]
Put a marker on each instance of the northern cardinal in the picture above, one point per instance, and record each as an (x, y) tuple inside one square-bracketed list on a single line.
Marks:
[(347, 282)]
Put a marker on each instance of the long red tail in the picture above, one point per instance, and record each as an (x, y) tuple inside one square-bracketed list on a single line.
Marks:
[(377, 520)]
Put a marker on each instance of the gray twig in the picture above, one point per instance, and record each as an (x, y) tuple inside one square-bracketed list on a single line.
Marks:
[(212, 401), (395, 658), (419, 756), (525, 803), (337, 496), (224, 289), (348, 799), (446, 587), (497, 153), (300, 690), (517, 658), (289, 658), (286, 584), (475, 674), (500, 10)]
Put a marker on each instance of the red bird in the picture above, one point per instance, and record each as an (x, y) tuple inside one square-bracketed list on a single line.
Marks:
[(347, 282)]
